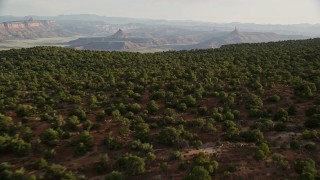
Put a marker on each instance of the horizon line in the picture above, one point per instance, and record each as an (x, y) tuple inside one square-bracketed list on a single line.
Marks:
[(169, 20)]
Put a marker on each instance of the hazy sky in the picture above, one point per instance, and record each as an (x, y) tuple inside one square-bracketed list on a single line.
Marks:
[(258, 11)]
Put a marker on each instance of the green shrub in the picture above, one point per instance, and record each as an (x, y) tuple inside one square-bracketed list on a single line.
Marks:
[(295, 144), (111, 142), (198, 172), (311, 146), (175, 155), (132, 164), (114, 175)]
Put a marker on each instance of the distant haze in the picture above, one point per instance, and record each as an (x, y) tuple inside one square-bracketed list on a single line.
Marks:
[(255, 11)]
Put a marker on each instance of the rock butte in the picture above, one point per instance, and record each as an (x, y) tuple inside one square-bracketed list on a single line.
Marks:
[(14, 25)]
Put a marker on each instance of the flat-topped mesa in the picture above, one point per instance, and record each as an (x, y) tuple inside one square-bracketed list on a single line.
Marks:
[(31, 29), (31, 23), (2, 27), (14, 25), (38, 23)]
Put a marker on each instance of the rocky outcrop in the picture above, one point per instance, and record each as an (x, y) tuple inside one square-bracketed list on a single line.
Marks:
[(119, 41), (2, 26), (120, 35), (237, 37), (31, 29), (234, 37)]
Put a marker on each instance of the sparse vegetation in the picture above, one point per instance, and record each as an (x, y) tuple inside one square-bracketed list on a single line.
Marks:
[(67, 114)]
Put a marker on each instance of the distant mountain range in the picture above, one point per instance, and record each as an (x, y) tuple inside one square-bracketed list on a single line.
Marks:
[(122, 41), (312, 30), (128, 34)]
